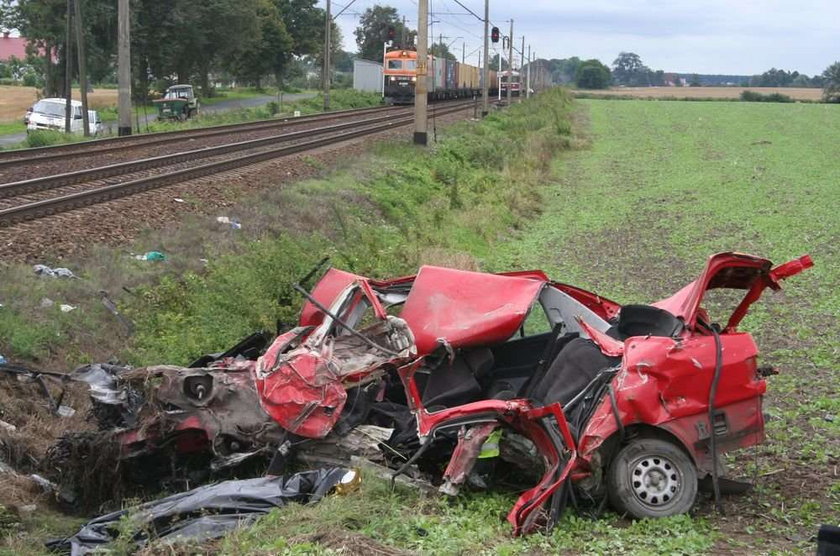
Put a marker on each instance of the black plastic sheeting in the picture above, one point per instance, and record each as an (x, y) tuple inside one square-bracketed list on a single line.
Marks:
[(207, 512)]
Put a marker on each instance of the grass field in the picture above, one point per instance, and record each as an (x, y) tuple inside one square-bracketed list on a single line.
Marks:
[(663, 186), (717, 93), (15, 100)]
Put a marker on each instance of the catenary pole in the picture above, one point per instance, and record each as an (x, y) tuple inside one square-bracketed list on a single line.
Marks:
[(124, 68), (510, 65), (528, 78), (327, 29), (68, 68), (80, 49), (420, 87), (521, 66), (485, 86)]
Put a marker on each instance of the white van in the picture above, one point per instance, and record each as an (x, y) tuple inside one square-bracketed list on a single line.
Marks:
[(49, 114)]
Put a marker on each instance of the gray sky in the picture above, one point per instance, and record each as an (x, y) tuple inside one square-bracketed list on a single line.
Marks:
[(741, 37)]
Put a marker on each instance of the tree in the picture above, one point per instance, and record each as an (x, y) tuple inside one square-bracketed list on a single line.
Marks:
[(305, 23), (494, 64), (372, 32), (440, 50), (8, 14), (831, 83), (269, 51), (343, 61), (628, 68), (42, 22), (592, 74)]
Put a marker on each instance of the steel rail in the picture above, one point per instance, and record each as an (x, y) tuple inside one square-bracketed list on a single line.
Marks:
[(80, 199), (24, 187), (114, 144)]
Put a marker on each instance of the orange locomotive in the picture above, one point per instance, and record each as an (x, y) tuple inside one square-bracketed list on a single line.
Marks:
[(446, 79)]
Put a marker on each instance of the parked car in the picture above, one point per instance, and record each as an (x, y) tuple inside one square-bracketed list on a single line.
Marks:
[(50, 114), (626, 403)]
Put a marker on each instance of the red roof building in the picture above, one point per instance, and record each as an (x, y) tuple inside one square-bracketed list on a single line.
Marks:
[(12, 46)]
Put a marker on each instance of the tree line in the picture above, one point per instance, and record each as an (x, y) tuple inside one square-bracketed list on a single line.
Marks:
[(248, 41), (629, 70)]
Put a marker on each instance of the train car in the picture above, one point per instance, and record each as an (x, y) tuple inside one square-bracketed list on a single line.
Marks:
[(400, 74), (446, 79), (515, 83)]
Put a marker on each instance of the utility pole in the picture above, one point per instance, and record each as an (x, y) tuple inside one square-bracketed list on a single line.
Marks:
[(327, 29), (68, 68), (403, 36), (124, 68), (463, 51), (510, 64), (485, 69), (528, 78), (521, 67), (80, 48), (420, 87)]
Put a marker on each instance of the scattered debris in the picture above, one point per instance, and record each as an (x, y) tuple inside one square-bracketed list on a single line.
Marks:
[(60, 272), (178, 200), (204, 513), (46, 302), (232, 222), (151, 256), (67, 308)]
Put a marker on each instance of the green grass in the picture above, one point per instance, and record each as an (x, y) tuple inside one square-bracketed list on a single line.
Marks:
[(222, 95), (665, 185), (10, 128), (340, 99), (471, 524)]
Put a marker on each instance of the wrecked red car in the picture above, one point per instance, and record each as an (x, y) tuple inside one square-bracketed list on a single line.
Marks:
[(466, 375)]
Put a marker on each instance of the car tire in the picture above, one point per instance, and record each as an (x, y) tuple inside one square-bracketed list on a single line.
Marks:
[(650, 477)]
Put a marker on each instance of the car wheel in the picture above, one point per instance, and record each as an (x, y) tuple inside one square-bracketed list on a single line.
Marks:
[(652, 478)]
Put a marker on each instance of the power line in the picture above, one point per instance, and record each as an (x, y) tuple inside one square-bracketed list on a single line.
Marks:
[(344, 8), (469, 10)]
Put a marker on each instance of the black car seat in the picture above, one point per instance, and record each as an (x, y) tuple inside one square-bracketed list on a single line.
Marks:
[(645, 320), (578, 362), (457, 384)]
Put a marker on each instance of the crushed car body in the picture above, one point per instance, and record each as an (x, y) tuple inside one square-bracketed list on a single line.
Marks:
[(592, 399)]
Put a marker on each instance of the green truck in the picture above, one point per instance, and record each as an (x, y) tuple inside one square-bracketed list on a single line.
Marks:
[(179, 102)]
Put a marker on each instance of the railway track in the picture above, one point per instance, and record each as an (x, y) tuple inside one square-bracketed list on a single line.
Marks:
[(21, 157), (40, 197)]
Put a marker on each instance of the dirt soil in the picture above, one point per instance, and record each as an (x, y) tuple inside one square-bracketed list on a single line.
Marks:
[(15, 100)]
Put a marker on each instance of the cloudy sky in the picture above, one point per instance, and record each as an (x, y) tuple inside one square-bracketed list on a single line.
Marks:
[(742, 37)]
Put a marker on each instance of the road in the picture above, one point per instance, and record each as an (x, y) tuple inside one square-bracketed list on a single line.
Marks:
[(221, 106)]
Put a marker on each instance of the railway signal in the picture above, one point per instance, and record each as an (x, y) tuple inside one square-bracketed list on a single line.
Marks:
[(494, 35)]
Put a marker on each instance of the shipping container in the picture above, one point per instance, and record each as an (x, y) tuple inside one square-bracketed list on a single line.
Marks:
[(367, 76), (450, 76)]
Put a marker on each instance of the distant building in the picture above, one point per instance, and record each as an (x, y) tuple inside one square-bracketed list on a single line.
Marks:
[(12, 47)]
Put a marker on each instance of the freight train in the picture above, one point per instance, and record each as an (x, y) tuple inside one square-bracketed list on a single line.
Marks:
[(446, 79)]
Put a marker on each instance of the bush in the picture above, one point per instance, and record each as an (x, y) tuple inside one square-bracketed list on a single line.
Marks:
[(33, 80), (753, 96)]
